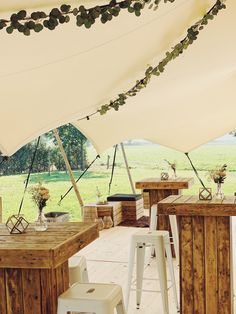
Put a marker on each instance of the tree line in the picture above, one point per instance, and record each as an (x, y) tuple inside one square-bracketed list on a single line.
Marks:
[(48, 156)]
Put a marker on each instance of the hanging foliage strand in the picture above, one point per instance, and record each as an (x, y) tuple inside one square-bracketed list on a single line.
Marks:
[(192, 34), (24, 22)]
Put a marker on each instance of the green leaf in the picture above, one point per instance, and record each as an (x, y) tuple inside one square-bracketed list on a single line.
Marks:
[(38, 28), (21, 15), (9, 29)]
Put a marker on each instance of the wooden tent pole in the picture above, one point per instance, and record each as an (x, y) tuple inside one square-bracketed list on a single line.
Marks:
[(56, 134), (127, 168)]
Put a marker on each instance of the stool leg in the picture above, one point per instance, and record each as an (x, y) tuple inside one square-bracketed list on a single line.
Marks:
[(153, 226), (175, 235), (120, 308), (171, 268), (160, 254), (139, 272), (61, 308), (130, 271)]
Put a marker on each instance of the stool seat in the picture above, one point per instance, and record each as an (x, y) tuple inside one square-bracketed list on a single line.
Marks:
[(92, 297)]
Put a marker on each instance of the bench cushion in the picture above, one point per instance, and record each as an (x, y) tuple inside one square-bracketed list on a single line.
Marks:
[(124, 197)]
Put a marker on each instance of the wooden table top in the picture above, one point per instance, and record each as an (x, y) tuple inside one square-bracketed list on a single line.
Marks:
[(108, 204), (170, 184), (46, 249), (187, 205)]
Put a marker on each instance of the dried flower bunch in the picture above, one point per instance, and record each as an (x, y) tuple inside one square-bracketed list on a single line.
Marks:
[(219, 174), (40, 195), (98, 193), (172, 165)]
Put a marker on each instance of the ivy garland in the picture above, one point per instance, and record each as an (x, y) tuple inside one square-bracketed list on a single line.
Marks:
[(37, 21), (192, 34)]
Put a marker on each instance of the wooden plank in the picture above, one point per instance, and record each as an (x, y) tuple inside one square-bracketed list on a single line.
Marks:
[(47, 287), (225, 296), (0, 210), (193, 207), (30, 250), (186, 266), (3, 304), (31, 291), (59, 279), (14, 295), (211, 265), (199, 265), (67, 249), (157, 183)]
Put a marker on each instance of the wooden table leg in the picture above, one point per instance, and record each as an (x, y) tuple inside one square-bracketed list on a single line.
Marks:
[(205, 265), (24, 290)]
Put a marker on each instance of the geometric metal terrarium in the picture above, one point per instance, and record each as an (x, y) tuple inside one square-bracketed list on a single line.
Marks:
[(17, 224), (205, 194)]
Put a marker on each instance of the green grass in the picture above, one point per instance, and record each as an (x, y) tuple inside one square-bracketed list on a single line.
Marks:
[(145, 161)]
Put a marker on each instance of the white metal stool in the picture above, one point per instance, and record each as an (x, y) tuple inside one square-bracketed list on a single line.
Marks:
[(161, 242), (173, 225), (92, 297), (78, 270)]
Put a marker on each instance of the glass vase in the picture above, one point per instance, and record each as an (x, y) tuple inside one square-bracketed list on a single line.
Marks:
[(41, 223), (219, 194)]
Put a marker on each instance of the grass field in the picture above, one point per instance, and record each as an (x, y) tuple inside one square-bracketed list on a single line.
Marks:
[(145, 161)]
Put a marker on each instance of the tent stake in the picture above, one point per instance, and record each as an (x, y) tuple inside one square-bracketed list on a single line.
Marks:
[(127, 168), (56, 134)]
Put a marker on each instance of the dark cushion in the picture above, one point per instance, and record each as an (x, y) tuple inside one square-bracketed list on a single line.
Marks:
[(124, 197)]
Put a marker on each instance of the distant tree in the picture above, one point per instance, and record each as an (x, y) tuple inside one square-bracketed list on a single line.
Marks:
[(21, 160), (74, 143)]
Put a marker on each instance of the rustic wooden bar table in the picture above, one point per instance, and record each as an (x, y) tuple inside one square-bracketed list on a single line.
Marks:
[(34, 265), (205, 252), (159, 189)]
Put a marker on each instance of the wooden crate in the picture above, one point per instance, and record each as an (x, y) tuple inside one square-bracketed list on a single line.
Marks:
[(90, 213), (132, 210), (146, 202), (112, 209)]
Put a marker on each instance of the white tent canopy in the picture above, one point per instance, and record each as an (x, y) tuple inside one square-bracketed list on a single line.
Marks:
[(56, 77)]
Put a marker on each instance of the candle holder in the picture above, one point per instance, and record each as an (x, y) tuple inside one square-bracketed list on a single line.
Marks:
[(17, 224), (164, 176)]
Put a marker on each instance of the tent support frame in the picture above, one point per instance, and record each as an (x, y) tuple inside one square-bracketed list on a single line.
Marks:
[(56, 134), (127, 168)]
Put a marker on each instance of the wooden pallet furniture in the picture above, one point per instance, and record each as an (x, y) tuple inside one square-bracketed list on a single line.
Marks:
[(205, 252), (112, 209), (34, 265), (146, 204), (159, 190), (132, 205), (0, 210)]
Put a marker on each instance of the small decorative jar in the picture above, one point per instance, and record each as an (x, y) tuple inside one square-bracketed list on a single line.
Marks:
[(108, 223), (100, 223)]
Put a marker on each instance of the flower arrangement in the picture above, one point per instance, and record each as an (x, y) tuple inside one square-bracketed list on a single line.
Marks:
[(40, 195), (172, 166), (219, 174)]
